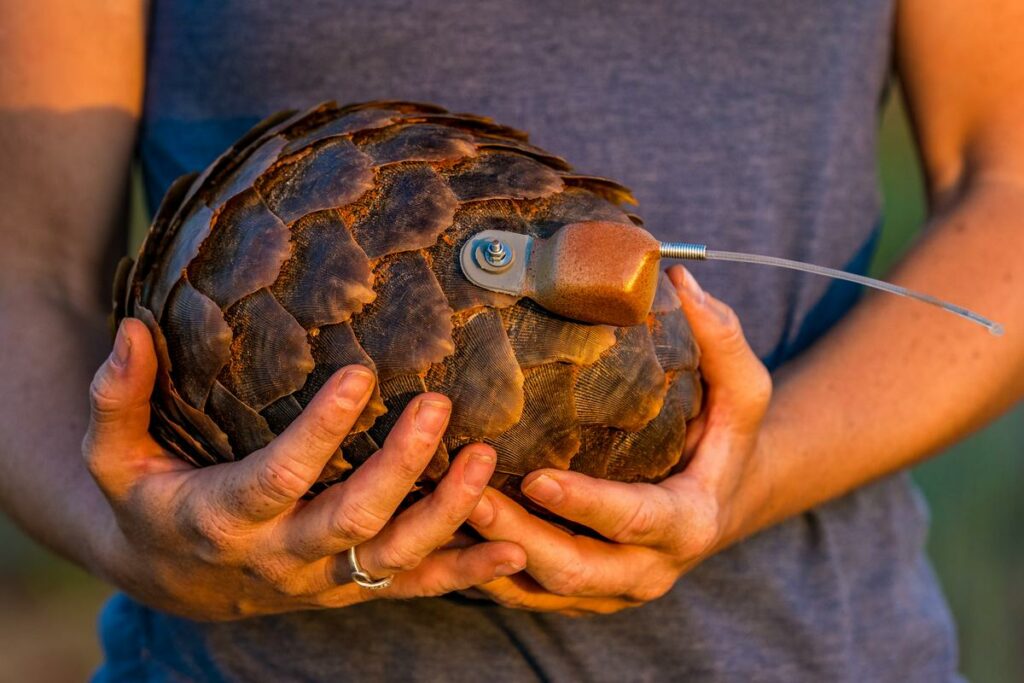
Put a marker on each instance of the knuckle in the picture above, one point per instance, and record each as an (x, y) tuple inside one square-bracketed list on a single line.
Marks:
[(215, 541), (395, 559), (280, 480), (355, 522), (731, 329), (568, 579), (762, 386), (103, 398), (273, 574), (651, 590), (640, 523), (288, 585)]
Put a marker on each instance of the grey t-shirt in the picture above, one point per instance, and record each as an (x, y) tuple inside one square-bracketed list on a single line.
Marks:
[(747, 125)]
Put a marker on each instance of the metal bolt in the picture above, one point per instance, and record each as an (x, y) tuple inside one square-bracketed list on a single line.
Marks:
[(496, 252)]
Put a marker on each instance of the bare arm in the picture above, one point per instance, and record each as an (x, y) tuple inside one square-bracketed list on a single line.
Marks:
[(905, 380), (70, 94), (892, 384)]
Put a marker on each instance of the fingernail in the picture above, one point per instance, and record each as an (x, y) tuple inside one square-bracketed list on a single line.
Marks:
[(431, 416), (693, 289), (354, 385), (544, 489), (122, 348), (508, 568), (478, 470), (483, 513)]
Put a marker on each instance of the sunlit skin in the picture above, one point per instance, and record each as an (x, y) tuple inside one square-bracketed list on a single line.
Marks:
[(890, 385)]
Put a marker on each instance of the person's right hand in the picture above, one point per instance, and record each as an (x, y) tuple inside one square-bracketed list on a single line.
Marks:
[(237, 539)]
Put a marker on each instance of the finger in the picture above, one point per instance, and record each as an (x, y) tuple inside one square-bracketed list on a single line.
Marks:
[(272, 479), (442, 572), (352, 512), (119, 399), (430, 522), (519, 591), (737, 380), (642, 514), (561, 563)]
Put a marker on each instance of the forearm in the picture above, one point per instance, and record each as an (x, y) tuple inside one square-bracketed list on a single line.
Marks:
[(896, 381), (49, 350), (67, 127)]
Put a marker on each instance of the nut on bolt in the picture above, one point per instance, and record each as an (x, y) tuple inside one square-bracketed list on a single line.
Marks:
[(494, 256)]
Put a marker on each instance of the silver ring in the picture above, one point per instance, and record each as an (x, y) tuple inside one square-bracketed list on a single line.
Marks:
[(360, 576)]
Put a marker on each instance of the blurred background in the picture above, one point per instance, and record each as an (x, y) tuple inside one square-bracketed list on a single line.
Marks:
[(976, 491)]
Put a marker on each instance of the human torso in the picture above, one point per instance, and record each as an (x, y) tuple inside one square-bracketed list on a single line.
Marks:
[(750, 126)]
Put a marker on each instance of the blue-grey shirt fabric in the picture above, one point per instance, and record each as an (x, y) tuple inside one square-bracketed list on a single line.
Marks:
[(748, 125)]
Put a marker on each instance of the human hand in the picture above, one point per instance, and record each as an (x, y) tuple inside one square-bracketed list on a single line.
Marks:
[(237, 539), (655, 532)]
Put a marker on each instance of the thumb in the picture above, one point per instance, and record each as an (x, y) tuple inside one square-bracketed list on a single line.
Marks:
[(738, 382), (119, 397)]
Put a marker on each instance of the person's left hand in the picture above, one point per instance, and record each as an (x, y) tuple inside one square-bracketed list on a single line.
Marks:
[(655, 532)]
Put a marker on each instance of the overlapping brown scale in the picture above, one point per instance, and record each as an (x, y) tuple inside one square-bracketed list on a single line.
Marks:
[(470, 219), (248, 236), (243, 177), (335, 468), (512, 145), (625, 388), (268, 127), (199, 344), (190, 430), (247, 430), (602, 187), (409, 326), (673, 340), (403, 106), (281, 413), (176, 439), (334, 347), (482, 379), (327, 175), (596, 443), (358, 448), (540, 337), (477, 124), (573, 205), (269, 354), (396, 392), (690, 392), (305, 120), (153, 252), (503, 175), (213, 175), (327, 277), (548, 435), (422, 142), (645, 455), (665, 297), (336, 126), (181, 250), (412, 207)]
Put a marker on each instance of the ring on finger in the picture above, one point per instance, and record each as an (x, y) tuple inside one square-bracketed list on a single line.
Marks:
[(361, 578)]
